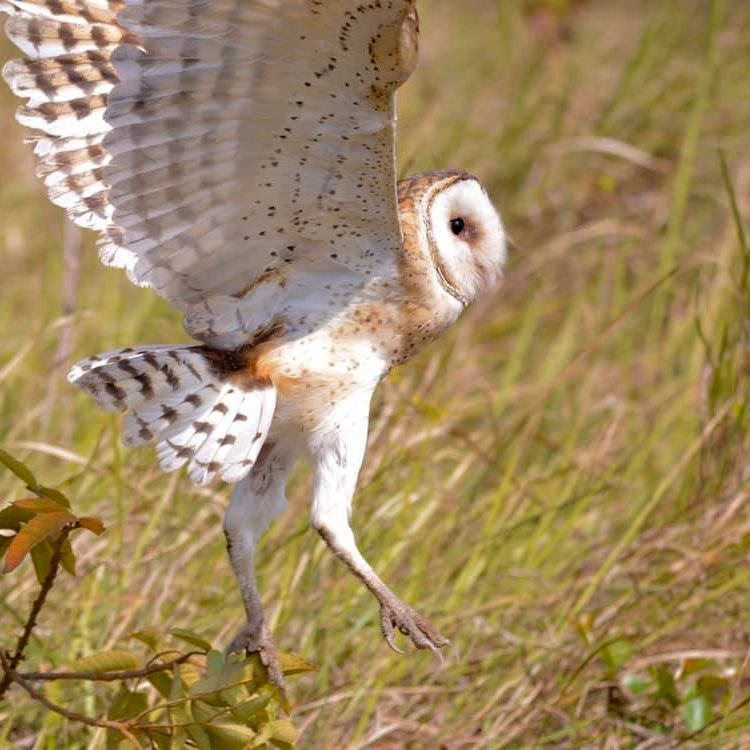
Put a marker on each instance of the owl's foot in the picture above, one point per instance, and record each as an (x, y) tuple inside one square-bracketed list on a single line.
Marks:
[(396, 615), (253, 639)]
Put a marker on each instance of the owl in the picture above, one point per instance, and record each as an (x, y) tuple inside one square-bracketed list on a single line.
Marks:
[(237, 157)]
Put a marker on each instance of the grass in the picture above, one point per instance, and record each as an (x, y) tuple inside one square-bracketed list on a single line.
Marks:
[(561, 483)]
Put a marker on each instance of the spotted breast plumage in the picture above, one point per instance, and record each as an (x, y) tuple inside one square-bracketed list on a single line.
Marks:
[(237, 157)]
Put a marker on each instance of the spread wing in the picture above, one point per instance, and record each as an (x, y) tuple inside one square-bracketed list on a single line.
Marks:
[(216, 143)]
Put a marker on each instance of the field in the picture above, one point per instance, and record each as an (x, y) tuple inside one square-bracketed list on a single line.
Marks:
[(561, 484)]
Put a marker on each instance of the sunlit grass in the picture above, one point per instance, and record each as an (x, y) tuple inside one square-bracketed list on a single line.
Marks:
[(565, 470)]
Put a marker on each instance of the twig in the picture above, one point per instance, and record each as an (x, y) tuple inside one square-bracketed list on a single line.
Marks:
[(23, 641), (116, 726), (166, 705), (108, 676), (194, 723)]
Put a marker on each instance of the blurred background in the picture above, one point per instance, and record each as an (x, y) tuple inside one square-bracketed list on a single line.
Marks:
[(560, 484)]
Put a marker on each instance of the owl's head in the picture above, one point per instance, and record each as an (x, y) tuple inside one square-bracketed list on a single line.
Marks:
[(460, 229)]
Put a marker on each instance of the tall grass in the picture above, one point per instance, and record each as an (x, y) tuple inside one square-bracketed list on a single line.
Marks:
[(560, 484)]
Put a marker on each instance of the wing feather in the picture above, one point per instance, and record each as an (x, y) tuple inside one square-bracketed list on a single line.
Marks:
[(215, 143)]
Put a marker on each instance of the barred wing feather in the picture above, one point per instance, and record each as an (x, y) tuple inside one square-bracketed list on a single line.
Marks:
[(173, 396), (216, 143)]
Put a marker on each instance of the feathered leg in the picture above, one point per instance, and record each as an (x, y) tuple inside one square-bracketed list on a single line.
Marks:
[(338, 455), (256, 501)]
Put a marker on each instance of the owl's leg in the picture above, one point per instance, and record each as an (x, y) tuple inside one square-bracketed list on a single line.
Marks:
[(256, 501), (338, 458)]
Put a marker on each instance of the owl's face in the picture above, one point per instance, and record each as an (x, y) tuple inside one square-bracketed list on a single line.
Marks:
[(464, 234)]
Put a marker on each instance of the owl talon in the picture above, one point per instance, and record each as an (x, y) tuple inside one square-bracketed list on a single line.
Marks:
[(387, 624), (395, 615), (254, 640)]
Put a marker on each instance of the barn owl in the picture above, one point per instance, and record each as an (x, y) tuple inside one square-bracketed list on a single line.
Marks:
[(237, 157)]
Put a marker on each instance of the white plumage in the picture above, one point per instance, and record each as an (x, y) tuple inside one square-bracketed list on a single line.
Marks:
[(237, 156)]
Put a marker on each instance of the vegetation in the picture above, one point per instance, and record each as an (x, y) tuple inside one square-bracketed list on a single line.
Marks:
[(166, 698), (560, 484)]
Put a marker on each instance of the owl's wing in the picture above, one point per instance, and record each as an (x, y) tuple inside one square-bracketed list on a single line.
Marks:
[(215, 142)]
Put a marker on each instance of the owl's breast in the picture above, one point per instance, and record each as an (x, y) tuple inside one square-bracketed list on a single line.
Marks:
[(319, 361), (323, 353)]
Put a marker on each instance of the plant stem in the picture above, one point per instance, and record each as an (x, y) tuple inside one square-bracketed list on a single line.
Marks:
[(108, 676), (116, 726), (23, 641)]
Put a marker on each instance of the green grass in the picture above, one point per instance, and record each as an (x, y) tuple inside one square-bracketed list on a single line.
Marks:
[(560, 484)]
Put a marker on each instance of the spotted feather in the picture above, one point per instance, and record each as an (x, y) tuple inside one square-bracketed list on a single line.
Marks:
[(176, 397), (215, 143)]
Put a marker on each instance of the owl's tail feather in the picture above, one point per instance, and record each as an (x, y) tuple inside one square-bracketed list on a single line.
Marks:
[(178, 396)]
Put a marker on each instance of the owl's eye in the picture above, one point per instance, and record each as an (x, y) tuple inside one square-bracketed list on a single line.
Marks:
[(457, 226)]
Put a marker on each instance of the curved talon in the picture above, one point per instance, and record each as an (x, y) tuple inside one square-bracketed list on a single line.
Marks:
[(398, 616), (393, 646), (386, 628), (271, 662), (254, 641)]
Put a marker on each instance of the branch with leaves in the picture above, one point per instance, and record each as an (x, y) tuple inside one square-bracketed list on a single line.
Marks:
[(168, 697)]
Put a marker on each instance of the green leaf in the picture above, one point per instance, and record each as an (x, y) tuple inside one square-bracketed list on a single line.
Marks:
[(616, 654), (20, 470), (213, 687), (249, 709), (67, 557), (202, 712), (191, 638), (181, 713), (667, 688), (150, 636), (179, 740), (125, 705), (41, 556), (5, 543), (233, 696), (283, 731), (12, 517), (216, 662), (636, 683), (53, 494), (293, 664), (226, 736), (161, 738), (35, 531), (162, 682), (185, 676), (712, 685), (694, 666), (264, 733), (181, 679), (696, 713), (107, 661), (199, 736)]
